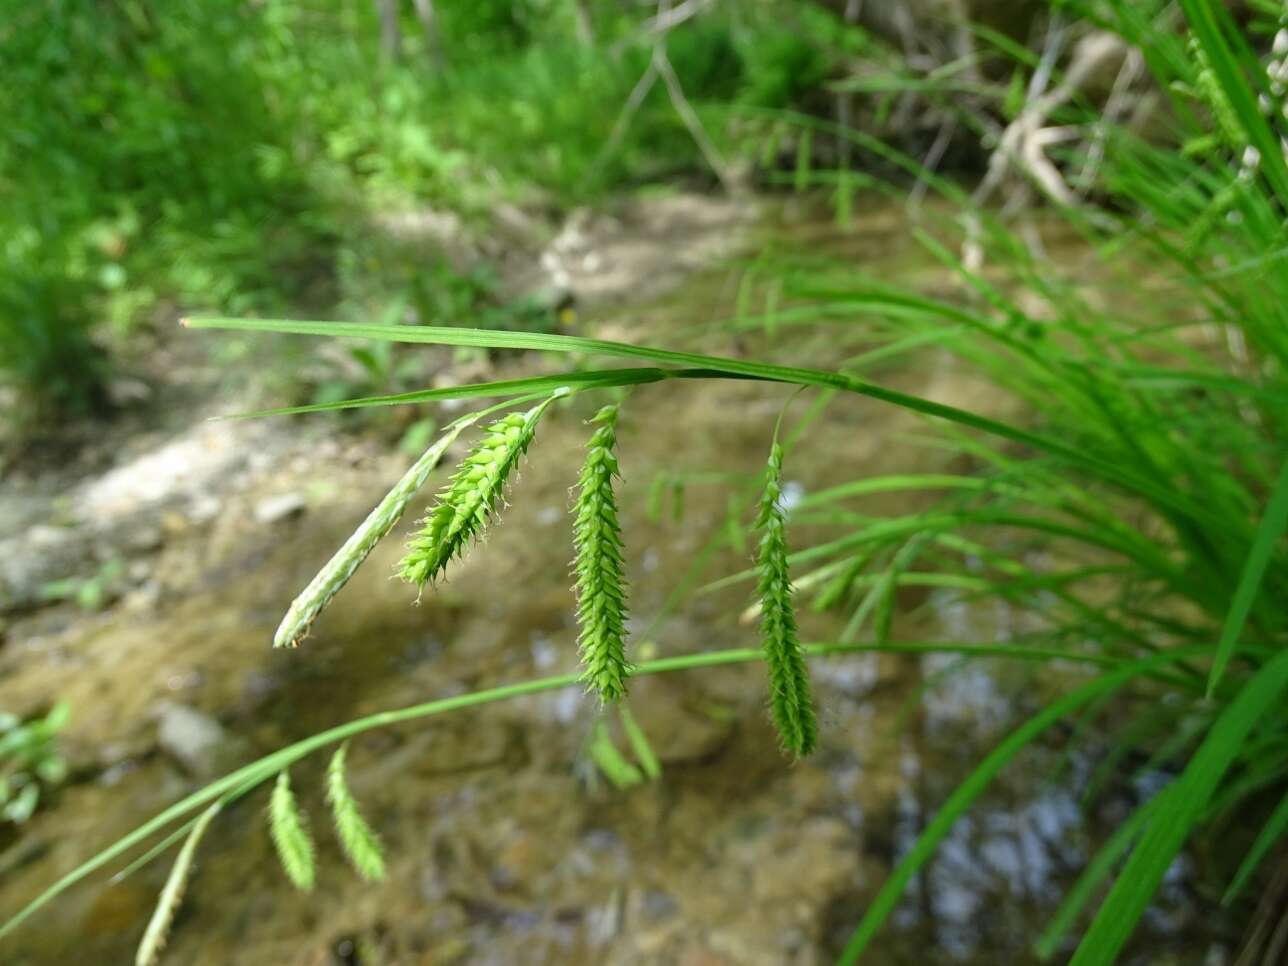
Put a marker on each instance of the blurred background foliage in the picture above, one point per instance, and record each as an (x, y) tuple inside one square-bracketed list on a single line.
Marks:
[(228, 156)]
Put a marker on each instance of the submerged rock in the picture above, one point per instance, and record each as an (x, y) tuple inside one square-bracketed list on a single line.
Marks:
[(199, 744), (281, 507), (31, 561)]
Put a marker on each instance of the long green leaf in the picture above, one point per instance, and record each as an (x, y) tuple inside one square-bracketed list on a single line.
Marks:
[(1095, 872), (1272, 527), (593, 379), (1184, 801), (793, 375)]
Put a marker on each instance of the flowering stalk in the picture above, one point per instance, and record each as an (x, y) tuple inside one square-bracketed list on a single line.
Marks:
[(299, 617)]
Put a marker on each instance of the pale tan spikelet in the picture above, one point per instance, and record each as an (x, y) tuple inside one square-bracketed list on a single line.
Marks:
[(154, 937)]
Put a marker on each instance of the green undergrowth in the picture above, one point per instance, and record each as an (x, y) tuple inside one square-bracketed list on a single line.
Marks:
[(240, 157)]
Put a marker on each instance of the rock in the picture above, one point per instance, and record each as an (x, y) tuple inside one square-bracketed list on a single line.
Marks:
[(521, 227), (182, 473), (196, 741), (30, 561), (144, 538), (678, 733), (280, 507), (440, 228), (126, 392), (203, 508)]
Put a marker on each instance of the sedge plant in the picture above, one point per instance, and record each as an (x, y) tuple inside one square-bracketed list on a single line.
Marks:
[(1150, 453)]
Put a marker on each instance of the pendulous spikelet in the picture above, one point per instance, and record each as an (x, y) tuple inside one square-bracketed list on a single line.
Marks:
[(158, 930), (360, 843), (466, 503), (601, 586), (790, 703), (337, 571), (291, 838)]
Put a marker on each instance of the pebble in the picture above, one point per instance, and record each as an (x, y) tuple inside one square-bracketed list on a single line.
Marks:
[(196, 741), (278, 508)]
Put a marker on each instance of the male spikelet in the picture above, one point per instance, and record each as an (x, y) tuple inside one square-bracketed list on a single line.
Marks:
[(154, 937), (346, 561), (601, 587), (790, 704), (360, 843), (466, 503), (290, 836)]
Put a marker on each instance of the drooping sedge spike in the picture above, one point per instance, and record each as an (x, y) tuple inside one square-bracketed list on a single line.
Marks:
[(466, 503), (290, 835), (790, 703), (358, 840), (299, 617), (598, 567)]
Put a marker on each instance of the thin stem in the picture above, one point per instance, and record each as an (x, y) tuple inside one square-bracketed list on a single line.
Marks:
[(237, 783)]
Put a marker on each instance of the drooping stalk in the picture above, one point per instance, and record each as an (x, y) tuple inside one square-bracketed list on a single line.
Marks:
[(237, 783)]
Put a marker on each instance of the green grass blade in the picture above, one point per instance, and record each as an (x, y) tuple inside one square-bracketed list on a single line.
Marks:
[(1270, 833), (1095, 872), (250, 776), (1272, 527), (894, 484), (639, 743), (1184, 801), (966, 793), (1206, 24), (610, 761), (595, 379), (792, 375)]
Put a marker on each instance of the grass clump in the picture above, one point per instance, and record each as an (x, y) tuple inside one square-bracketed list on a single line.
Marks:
[(236, 156)]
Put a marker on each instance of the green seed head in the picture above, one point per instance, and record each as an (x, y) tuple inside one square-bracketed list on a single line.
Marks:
[(601, 586), (470, 497), (790, 705)]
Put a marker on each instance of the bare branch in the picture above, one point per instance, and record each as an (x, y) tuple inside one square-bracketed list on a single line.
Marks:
[(429, 24), (689, 116)]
